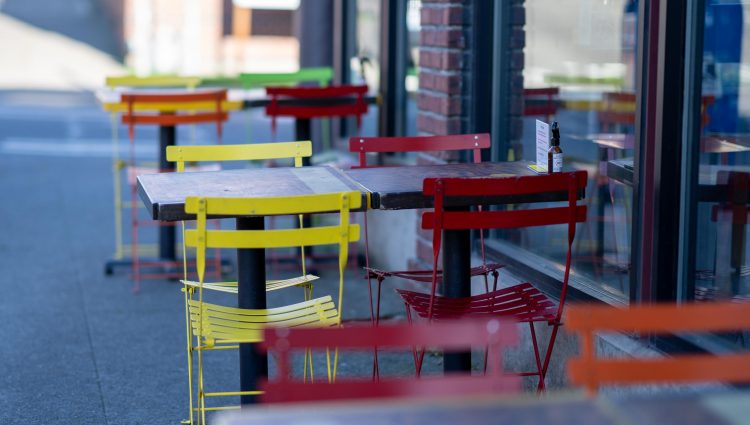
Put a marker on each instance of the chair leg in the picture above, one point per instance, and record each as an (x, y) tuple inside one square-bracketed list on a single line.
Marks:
[(418, 354), (189, 359), (376, 320), (540, 370), (547, 357), (136, 267), (201, 391), (496, 276)]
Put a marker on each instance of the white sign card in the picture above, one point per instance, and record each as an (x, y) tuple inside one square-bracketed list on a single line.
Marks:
[(542, 145)]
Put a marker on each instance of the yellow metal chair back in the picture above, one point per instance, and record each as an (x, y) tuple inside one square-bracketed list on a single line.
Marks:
[(247, 152), (201, 238)]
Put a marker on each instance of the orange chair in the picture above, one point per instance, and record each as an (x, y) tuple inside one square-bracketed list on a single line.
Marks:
[(450, 335), (166, 109), (592, 372)]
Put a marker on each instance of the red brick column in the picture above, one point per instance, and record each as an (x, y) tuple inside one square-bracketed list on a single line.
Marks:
[(442, 67), (443, 87)]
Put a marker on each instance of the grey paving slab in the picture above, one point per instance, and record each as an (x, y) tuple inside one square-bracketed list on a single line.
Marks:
[(77, 346)]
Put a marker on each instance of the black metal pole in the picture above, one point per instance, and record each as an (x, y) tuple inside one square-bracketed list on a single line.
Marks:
[(251, 294), (167, 234), (457, 284)]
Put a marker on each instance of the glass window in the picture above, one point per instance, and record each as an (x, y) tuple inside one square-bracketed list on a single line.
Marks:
[(723, 191), (580, 71)]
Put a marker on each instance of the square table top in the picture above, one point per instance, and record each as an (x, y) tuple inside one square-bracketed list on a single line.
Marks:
[(164, 193), (389, 188), (394, 188)]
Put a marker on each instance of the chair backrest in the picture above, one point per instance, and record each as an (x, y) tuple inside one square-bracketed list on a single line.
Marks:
[(246, 152), (479, 191), (448, 335), (152, 81), (324, 102), (592, 372), (473, 142), (321, 75), (174, 108), (618, 109), (541, 101), (202, 238)]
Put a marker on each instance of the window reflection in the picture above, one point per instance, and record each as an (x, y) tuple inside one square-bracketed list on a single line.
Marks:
[(722, 270), (580, 71)]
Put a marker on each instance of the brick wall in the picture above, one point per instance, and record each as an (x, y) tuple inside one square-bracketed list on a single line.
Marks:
[(444, 68), (445, 84)]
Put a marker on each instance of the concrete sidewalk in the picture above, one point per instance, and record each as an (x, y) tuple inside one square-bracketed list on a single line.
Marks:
[(79, 347)]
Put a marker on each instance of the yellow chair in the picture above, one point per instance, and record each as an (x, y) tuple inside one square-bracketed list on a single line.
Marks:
[(117, 106), (246, 152), (216, 327)]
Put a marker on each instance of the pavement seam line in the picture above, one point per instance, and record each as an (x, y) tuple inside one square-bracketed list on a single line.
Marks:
[(85, 311)]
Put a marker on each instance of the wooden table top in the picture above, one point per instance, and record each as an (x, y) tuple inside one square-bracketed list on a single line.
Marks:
[(715, 409), (164, 194), (394, 188), (389, 188)]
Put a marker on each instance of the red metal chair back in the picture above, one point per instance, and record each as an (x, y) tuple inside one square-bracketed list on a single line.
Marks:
[(365, 145), (541, 101), (450, 335), (492, 190), (183, 102), (335, 101)]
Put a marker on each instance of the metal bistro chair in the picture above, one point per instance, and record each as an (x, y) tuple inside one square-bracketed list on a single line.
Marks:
[(522, 302), (166, 110), (247, 152), (307, 103), (450, 335), (317, 102), (118, 83), (217, 327), (592, 372), (463, 142)]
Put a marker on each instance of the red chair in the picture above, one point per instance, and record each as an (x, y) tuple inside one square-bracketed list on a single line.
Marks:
[(522, 302), (165, 109), (541, 102), (305, 103), (453, 335), (364, 145), (325, 102)]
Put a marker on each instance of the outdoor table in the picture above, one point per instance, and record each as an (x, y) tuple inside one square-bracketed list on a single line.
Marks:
[(389, 188), (237, 99), (723, 408)]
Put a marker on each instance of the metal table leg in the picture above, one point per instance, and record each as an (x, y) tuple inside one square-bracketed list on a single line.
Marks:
[(251, 268), (457, 284), (167, 234)]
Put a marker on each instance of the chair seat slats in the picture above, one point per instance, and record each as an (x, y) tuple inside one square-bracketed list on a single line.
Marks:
[(522, 302), (271, 285)]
